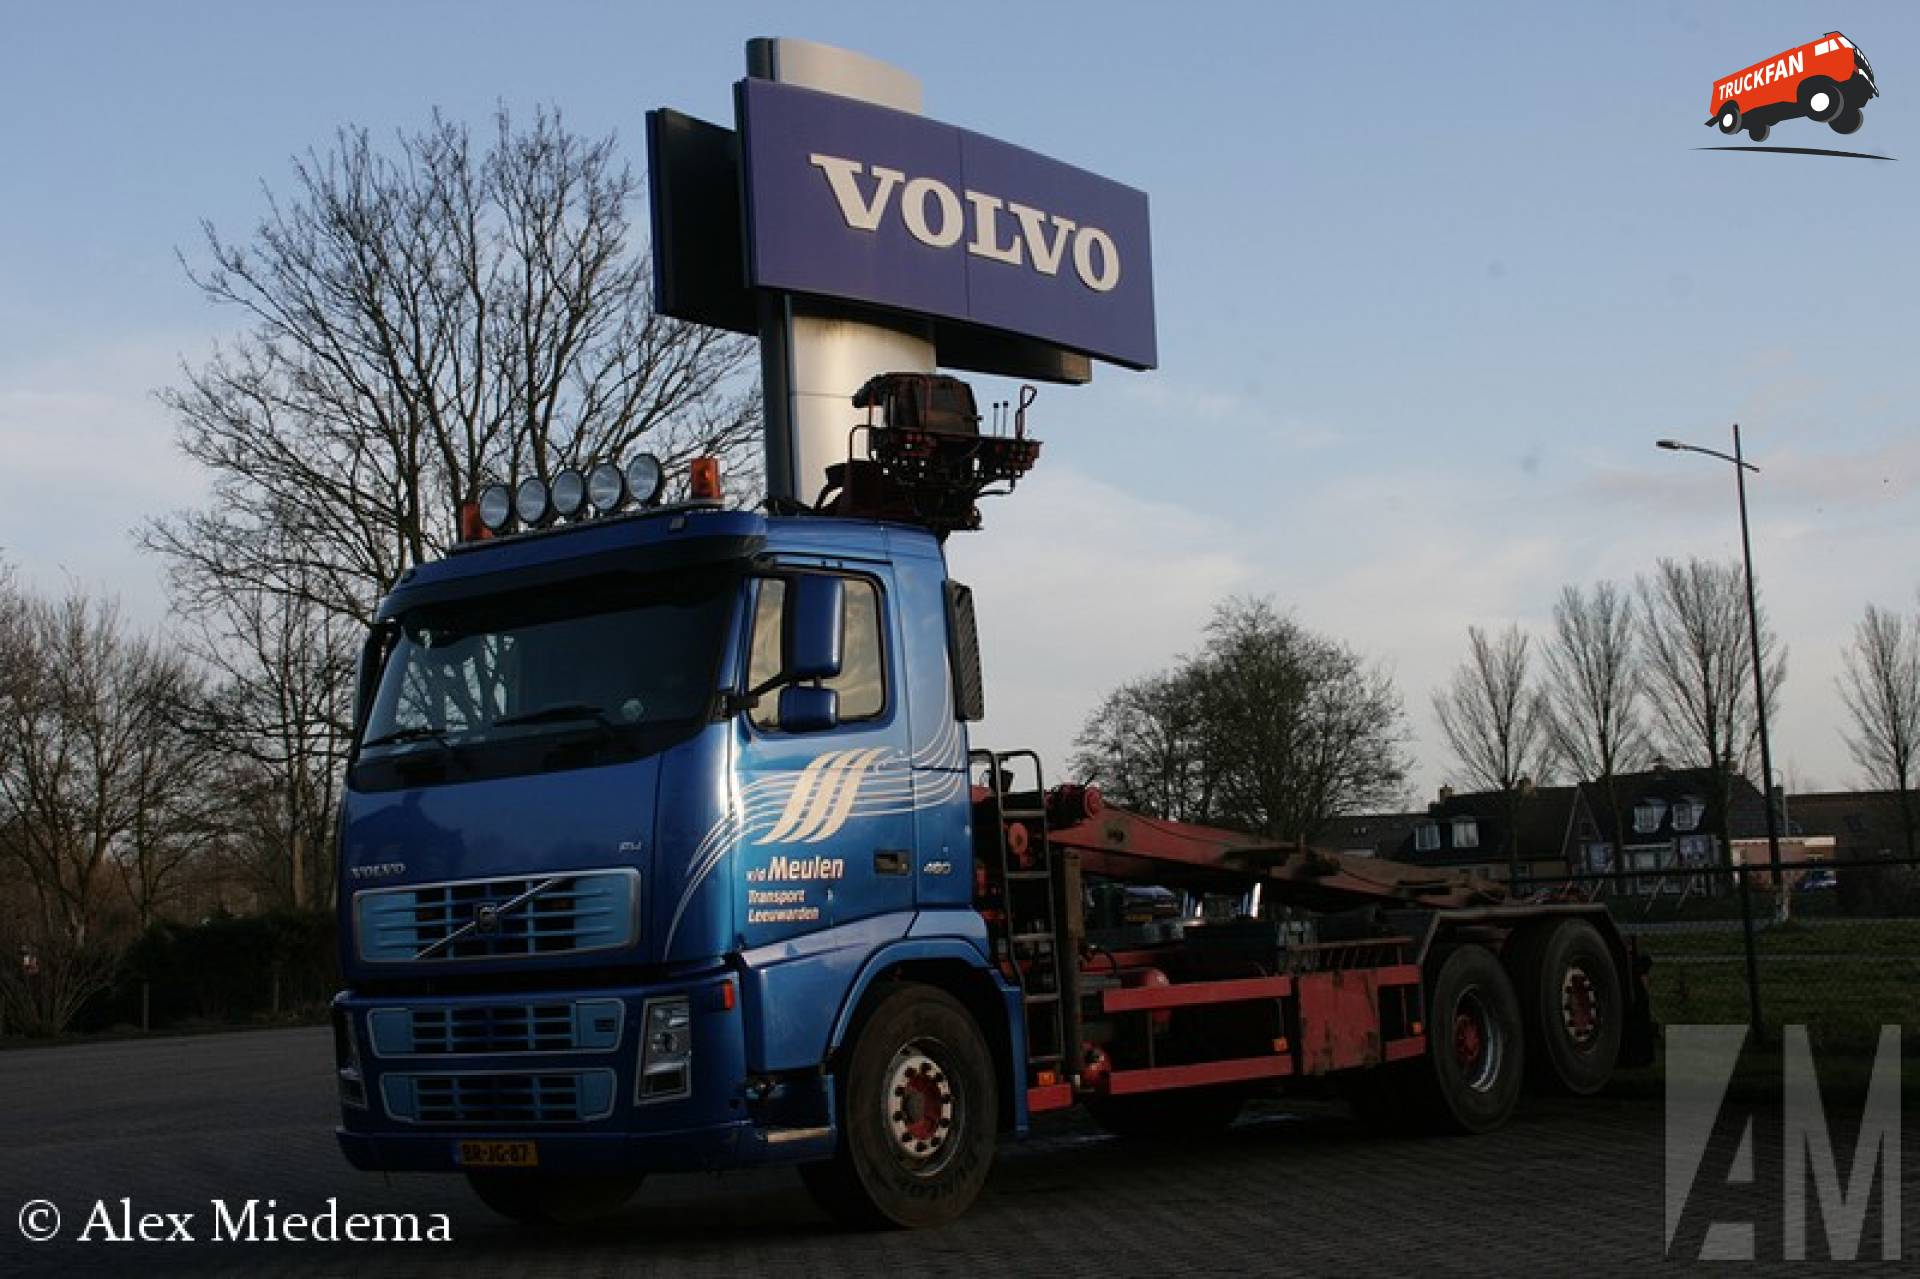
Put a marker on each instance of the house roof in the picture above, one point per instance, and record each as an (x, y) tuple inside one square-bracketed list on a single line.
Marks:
[(1747, 816), (1377, 834), (1544, 818), (1866, 821)]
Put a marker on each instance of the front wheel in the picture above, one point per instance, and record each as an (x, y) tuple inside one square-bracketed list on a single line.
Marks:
[(919, 1110), (545, 1199), (1822, 99), (1848, 121)]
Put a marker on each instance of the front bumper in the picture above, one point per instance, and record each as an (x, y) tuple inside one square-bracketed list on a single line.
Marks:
[(562, 1068)]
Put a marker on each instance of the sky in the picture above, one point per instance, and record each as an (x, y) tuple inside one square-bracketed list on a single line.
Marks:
[(1431, 279)]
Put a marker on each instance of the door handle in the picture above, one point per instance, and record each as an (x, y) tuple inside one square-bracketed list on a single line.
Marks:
[(890, 861)]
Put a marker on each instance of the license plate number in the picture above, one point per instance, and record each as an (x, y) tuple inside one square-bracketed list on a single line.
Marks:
[(498, 1154)]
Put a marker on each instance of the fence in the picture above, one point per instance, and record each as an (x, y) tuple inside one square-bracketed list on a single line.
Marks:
[(1837, 948)]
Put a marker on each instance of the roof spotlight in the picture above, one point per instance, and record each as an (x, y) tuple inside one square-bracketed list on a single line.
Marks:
[(645, 479), (569, 493), (606, 488), (531, 502), (496, 507)]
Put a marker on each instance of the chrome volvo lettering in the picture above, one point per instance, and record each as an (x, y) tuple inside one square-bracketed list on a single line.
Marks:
[(939, 217)]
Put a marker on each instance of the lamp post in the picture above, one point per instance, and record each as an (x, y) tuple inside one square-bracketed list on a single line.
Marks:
[(1740, 468)]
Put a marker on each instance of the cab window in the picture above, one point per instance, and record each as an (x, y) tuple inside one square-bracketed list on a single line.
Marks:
[(862, 682)]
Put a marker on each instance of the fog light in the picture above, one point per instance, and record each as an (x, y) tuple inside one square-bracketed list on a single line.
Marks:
[(532, 502), (496, 507), (645, 479), (346, 1057), (569, 493), (606, 488)]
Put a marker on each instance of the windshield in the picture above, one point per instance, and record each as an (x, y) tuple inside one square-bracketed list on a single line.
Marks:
[(606, 667)]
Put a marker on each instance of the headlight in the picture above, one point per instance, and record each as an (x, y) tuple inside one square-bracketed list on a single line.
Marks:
[(496, 507), (569, 493), (666, 1049), (531, 502)]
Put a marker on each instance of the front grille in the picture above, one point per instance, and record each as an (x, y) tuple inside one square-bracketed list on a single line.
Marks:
[(547, 1097), (479, 918), (586, 1025)]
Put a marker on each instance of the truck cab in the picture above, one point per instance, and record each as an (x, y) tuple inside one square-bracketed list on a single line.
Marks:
[(639, 810)]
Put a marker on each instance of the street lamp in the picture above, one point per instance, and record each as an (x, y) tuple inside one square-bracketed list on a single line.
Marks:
[(1740, 468)]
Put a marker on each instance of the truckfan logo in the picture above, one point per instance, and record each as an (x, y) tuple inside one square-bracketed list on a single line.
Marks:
[(1828, 81)]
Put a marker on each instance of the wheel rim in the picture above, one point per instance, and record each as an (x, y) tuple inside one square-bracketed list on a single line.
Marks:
[(923, 1107), (1579, 1007), (1818, 102), (1478, 1042)]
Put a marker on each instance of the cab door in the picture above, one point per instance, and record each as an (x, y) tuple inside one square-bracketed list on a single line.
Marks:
[(825, 816)]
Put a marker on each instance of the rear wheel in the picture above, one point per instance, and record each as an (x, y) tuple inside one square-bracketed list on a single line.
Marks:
[(1475, 1046), (1730, 118), (545, 1199), (1759, 131), (918, 1114), (1573, 1007)]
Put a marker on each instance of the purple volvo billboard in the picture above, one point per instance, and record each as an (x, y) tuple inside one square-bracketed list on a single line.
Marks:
[(849, 200)]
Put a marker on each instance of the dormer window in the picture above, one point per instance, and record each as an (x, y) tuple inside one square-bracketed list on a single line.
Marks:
[(1466, 833), (1647, 814), (1426, 837), (1688, 811)]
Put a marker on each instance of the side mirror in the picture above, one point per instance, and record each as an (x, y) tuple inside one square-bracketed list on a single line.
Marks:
[(813, 635), (808, 709)]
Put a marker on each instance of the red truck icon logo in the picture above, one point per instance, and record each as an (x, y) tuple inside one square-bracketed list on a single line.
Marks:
[(1827, 80)]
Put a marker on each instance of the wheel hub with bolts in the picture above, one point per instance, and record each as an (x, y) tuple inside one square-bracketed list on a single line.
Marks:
[(1477, 1046), (1579, 1009), (922, 1109)]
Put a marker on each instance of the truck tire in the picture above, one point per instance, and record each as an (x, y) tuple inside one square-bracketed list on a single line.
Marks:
[(1573, 1006), (1729, 120), (918, 1115), (547, 1199), (1758, 130), (1476, 1046), (1848, 121), (1821, 99), (1169, 1116)]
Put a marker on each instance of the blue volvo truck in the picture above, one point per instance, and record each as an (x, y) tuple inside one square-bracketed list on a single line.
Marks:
[(663, 848)]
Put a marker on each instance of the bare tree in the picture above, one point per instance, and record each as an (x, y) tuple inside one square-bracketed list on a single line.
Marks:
[(421, 322), (1699, 670), (1881, 688), (97, 788), (1497, 722), (1146, 747), (1300, 730), (422, 318), (1593, 690), (1270, 728)]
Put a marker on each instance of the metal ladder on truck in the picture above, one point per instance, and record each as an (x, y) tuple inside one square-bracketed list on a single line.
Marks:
[(1031, 942)]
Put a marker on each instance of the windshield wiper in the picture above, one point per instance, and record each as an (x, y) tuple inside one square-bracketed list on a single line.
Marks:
[(413, 733), (556, 714)]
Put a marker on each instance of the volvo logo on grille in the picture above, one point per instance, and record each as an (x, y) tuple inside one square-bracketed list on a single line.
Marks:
[(486, 918)]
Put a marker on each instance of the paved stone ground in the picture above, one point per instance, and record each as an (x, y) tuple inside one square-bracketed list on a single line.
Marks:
[(1570, 1187)]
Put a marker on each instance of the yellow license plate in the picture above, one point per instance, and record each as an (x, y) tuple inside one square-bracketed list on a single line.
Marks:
[(498, 1154)]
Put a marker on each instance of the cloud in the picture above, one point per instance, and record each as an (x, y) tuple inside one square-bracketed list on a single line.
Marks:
[(89, 454), (1079, 587)]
